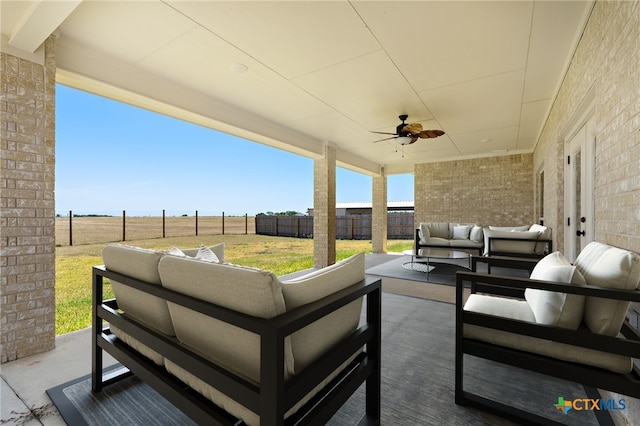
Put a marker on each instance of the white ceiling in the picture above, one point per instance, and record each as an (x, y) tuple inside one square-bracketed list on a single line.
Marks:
[(318, 72)]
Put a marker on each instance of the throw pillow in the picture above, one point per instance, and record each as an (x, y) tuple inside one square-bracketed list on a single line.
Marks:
[(461, 232), (175, 251), (551, 307), (476, 233), (206, 254), (610, 267)]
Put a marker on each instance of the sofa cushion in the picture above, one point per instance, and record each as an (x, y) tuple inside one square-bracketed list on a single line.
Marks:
[(527, 246), (544, 234), (438, 229), (246, 290), (424, 233), (141, 264), (610, 267), (555, 308), (313, 341), (510, 228)]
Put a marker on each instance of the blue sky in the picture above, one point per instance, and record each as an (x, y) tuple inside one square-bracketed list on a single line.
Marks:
[(112, 157)]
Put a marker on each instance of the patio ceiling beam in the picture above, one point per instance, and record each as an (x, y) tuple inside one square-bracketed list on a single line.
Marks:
[(39, 22)]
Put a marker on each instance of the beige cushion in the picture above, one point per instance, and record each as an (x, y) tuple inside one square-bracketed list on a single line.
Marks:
[(424, 233), (545, 234), (510, 228), (316, 339), (247, 290), (500, 306), (516, 247), (150, 310), (610, 267), (555, 308), (141, 264)]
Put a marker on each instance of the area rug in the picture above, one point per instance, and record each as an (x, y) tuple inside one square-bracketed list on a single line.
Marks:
[(401, 267), (417, 382)]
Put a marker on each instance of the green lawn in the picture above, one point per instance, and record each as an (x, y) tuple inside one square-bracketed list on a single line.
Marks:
[(280, 255)]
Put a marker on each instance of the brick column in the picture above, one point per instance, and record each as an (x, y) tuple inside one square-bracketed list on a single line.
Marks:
[(379, 213), (324, 209), (27, 206)]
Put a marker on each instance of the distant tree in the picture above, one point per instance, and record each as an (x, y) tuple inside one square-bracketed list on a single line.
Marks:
[(287, 213)]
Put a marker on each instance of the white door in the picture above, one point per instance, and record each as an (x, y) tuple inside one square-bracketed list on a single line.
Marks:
[(579, 190)]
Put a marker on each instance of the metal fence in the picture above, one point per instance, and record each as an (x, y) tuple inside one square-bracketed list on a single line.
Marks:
[(351, 227)]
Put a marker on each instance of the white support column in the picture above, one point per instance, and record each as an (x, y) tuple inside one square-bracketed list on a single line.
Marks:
[(324, 209)]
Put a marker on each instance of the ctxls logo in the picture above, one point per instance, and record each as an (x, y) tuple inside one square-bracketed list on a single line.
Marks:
[(588, 404)]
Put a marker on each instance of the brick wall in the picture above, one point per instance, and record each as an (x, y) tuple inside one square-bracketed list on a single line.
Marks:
[(605, 66), (488, 191), (27, 208)]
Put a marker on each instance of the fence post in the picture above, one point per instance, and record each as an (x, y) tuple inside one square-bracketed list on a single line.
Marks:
[(70, 227), (222, 223), (124, 227), (163, 224), (246, 223), (196, 223)]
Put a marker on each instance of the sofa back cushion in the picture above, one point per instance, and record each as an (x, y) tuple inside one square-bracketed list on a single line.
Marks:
[(555, 308), (313, 341), (247, 290), (610, 267), (141, 264)]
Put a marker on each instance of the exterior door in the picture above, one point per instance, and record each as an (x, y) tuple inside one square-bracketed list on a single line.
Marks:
[(579, 189)]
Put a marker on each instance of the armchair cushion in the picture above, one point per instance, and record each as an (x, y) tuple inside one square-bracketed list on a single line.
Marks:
[(554, 308), (500, 306), (610, 267)]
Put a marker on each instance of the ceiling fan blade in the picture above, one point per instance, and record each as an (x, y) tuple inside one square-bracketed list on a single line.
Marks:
[(413, 128), (429, 134), (385, 133), (386, 139)]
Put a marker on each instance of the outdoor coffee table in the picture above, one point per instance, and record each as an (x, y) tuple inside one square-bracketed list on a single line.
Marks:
[(421, 261)]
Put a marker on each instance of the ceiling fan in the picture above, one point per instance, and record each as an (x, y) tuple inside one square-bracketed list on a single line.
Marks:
[(409, 133)]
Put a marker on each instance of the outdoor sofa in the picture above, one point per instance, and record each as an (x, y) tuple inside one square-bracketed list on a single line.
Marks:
[(528, 241), (566, 321), (233, 345)]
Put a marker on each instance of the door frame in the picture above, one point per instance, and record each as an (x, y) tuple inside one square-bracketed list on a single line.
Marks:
[(584, 118)]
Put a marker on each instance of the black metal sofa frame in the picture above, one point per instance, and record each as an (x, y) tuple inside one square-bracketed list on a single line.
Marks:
[(273, 397), (629, 345)]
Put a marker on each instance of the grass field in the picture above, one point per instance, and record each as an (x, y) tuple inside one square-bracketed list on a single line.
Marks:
[(281, 255)]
